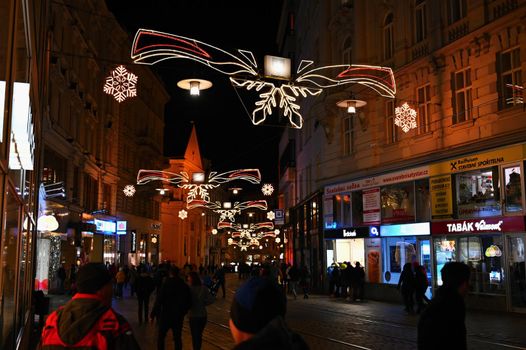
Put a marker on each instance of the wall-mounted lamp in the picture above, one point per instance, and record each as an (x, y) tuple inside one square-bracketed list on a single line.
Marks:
[(194, 85)]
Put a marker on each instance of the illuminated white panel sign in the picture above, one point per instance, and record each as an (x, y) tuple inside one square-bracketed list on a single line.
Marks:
[(105, 226), (121, 225), (418, 229), (23, 145)]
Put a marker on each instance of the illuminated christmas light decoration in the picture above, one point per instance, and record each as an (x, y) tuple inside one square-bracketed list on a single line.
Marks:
[(150, 47), (271, 215), (277, 240), (267, 189), (198, 193), (121, 84), (183, 214), (214, 231), (129, 190), (405, 117)]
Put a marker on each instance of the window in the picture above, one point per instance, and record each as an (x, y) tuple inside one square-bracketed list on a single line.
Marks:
[(388, 37), (357, 208), (510, 78), (457, 9), (392, 133), (348, 131), (397, 252), (422, 200), (424, 108), (398, 203), (420, 21), (513, 189), (461, 92), (342, 210), (347, 51), (478, 193)]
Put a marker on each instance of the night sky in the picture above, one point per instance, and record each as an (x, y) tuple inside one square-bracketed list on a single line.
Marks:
[(225, 132)]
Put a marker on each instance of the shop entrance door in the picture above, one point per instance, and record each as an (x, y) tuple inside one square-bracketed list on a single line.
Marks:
[(517, 273), (425, 261)]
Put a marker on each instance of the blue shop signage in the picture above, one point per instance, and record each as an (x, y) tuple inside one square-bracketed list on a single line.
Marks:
[(352, 232)]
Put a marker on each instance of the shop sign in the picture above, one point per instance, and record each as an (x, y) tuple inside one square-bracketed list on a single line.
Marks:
[(279, 218), (497, 225), (441, 197), (371, 206), (478, 161), (22, 149), (121, 225), (416, 229), (381, 180), (133, 241), (105, 226), (350, 232)]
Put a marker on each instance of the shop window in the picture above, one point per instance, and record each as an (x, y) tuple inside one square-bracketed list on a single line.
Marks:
[(478, 194), (398, 203), (509, 78), (350, 250), (342, 210), (422, 200), (397, 252), (513, 189), (9, 271), (357, 208), (484, 257), (445, 251)]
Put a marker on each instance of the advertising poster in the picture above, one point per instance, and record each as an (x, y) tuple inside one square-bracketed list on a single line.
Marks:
[(328, 217), (42, 270), (441, 197), (373, 263), (371, 206)]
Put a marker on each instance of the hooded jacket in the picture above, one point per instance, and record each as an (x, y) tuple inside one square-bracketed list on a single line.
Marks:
[(77, 318), (275, 335)]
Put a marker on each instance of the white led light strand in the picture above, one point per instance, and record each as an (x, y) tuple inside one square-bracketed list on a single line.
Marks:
[(121, 84), (405, 117)]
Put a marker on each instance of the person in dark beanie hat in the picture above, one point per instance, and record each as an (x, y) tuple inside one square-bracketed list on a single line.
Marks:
[(87, 320), (257, 317), (446, 312)]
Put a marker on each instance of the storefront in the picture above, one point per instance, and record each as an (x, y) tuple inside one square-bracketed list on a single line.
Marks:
[(402, 244), (348, 244), (493, 248)]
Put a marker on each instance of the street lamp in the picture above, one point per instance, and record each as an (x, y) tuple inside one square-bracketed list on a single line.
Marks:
[(351, 104), (194, 85)]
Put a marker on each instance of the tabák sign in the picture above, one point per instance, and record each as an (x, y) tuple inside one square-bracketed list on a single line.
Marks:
[(484, 225)]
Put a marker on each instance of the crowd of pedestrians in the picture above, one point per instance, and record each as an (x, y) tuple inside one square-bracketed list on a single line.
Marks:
[(413, 285), (346, 281)]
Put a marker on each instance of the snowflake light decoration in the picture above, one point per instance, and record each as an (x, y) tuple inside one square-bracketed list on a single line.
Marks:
[(129, 190), (405, 117), (271, 215), (267, 189), (121, 84), (183, 214)]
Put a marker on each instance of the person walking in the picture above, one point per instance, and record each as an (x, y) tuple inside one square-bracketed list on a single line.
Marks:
[(120, 278), (87, 321), (61, 275), (144, 286), (406, 284), (171, 305), (446, 313), (359, 281), (420, 287), (197, 315), (219, 276), (305, 280), (293, 276), (257, 317)]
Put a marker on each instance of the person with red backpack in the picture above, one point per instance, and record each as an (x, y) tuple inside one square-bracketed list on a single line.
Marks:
[(87, 321)]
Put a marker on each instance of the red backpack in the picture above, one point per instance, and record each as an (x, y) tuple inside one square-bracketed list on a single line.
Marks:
[(106, 327)]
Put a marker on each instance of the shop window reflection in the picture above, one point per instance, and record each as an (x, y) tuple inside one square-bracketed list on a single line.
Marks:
[(398, 203), (478, 193), (398, 252), (513, 189), (444, 253)]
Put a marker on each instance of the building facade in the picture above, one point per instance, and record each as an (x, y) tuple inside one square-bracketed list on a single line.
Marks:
[(448, 189)]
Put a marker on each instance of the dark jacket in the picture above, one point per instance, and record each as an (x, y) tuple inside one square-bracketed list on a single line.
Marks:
[(79, 316), (144, 285), (274, 336), (173, 300), (443, 320)]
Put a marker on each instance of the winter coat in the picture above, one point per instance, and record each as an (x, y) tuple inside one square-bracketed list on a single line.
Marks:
[(201, 297), (144, 285), (443, 321), (276, 336), (173, 301)]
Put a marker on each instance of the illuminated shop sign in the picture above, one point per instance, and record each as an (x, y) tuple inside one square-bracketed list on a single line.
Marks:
[(105, 226), (351, 232), (133, 241), (417, 229), (496, 225), (121, 225), (22, 148)]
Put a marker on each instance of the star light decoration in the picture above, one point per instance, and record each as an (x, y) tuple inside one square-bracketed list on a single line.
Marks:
[(150, 47), (405, 117), (183, 214), (121, 84), (271, 215), (129, 190), (267, 189)]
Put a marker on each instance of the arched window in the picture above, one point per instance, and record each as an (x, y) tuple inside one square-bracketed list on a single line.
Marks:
[(420, 20), (388, 37), (347, 51)]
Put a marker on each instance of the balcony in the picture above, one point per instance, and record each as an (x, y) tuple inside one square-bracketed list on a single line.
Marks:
[(498, 9), (457, 30), (420, 49)]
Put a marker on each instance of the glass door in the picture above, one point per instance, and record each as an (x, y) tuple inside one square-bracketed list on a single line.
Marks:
[(425, 261), (517, 273)]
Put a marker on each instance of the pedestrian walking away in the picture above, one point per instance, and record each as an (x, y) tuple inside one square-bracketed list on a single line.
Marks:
[(144, 286), (219, 276), (444, 318), (87, 321), (305, 281), (197, 315), (406, 285), (171, 305), (256, 318)]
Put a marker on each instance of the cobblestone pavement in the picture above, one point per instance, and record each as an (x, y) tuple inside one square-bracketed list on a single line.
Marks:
[(328, 323)]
